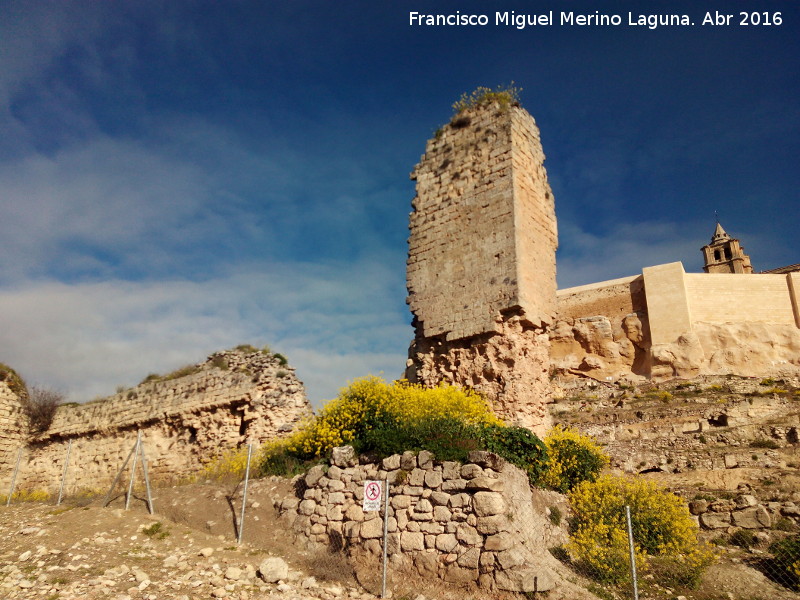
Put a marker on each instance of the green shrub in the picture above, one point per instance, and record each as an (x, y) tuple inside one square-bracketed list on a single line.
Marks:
[(574, 458), (744, 538), (385, 419), (664, 534), (13, 381), (246, 348), (764, 443), (220, 362), (281, 359), (518, 446), (505, 96), (785, 564)]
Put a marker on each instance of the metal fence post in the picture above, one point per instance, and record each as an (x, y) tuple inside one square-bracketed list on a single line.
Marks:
[(633, 553), (244, 492), (64, 474), (385, 535), (133, 468), (14, 478), (146, 480)]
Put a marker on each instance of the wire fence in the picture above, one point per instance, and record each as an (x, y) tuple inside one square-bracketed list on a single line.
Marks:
[(621, 562)]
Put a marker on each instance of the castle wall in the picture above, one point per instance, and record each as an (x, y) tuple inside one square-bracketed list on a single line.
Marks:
[(477, 522), (668, 323), (720, 298), (185, 422)]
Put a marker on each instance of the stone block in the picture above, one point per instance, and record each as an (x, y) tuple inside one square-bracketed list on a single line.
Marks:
[(408, 461), (492, 524), (391, 463), (469, 535), (344, 456), (489, 503), (485, 483), (446, 542), (755, 517), (715, 520), (433, 479), (372, 529), (442, 514), (471, 471)]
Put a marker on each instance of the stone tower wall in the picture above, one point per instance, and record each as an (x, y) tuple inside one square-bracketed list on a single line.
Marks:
[(483, 229), (481, 265), (13, 429)]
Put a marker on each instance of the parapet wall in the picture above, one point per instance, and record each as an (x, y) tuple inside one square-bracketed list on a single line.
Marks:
[(231, 399), (13, 426), (473, 523)]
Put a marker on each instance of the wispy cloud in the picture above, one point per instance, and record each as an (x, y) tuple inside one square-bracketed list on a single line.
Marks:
[(335, 322)]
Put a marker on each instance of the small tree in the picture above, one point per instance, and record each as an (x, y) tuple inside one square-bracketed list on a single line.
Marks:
[(40, 406)]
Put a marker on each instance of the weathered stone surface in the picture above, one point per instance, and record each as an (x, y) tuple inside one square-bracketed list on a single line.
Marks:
[(489, 503), (488, 196), (273, 569), (715, 520), (751, 518), (468, 535), (372, 529), (411, 541), (485, 483), (344, 456), (184, 421)]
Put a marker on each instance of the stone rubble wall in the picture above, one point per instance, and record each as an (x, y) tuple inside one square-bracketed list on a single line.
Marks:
[(13, 428), (510, 368), (477, 522), (744, 512), (481, 261), (185, 422)]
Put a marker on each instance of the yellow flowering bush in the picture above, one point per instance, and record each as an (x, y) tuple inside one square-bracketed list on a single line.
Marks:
[(35, 495), (665, 537), (370, 402), (574, 458), (383, 419), (230, 464)]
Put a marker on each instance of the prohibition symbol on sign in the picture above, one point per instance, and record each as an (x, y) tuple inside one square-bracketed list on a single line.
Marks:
[(372, 495)]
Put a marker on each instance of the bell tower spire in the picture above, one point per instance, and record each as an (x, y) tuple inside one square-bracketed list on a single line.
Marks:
[(724, 254)]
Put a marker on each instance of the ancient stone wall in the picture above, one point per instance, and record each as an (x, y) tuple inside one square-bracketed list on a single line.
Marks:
[(473, 523), (481, 263), (13, 428), (229, 400)]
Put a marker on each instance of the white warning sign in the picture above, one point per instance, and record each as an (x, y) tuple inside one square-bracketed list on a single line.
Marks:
[(372, 495)]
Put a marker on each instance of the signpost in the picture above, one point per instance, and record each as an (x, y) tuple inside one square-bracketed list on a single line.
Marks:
[(373, 495)]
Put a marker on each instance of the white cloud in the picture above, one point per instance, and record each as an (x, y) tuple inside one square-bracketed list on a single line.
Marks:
[(334, 322)]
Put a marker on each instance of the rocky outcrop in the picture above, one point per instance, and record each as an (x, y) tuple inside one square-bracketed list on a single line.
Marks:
[(470, 523)]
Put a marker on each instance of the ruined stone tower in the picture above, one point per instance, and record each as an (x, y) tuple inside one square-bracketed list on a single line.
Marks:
[(481, 261), (725, 255)]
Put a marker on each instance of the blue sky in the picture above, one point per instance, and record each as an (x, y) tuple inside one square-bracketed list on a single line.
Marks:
[(181, 177)]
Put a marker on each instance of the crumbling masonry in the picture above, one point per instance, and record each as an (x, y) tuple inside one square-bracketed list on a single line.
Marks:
[(481, 262)]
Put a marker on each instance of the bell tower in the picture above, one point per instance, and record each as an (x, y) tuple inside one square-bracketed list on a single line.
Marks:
[(725, 255)]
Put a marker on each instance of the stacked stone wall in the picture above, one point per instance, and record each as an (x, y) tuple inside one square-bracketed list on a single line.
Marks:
[(477, 522), (231, 399), (13, 428)]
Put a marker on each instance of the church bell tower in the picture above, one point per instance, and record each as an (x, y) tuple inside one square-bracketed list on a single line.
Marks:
[(725, 255)]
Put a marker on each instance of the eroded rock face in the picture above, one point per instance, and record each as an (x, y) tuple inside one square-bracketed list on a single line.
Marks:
[(510, 368)]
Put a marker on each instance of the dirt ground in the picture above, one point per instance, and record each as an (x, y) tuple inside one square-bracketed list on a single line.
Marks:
[(188, 550)]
